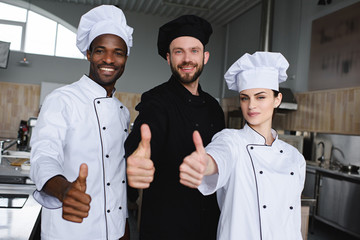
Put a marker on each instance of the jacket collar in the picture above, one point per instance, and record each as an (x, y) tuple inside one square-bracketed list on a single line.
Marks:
[(93, 89), (186, 94), (256, 138)]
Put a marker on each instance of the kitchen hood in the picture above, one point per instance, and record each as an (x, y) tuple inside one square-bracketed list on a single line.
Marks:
[(288, 99)]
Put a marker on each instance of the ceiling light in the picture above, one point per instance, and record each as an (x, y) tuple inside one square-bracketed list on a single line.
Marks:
[(24, 61)]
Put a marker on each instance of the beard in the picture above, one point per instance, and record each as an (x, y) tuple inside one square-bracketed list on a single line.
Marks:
[(186, 78)]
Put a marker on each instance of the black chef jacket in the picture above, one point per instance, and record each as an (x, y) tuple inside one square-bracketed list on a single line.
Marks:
[(171, 210)]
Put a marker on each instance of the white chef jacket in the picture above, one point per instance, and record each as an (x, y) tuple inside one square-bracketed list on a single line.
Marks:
[(79, 124), (258, 186)]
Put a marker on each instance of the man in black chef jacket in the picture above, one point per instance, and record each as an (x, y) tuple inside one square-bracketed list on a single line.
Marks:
[(171, 112)]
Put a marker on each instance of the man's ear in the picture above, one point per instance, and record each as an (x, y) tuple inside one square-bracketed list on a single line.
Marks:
[(206, 57), (88, 55), (168, 58)]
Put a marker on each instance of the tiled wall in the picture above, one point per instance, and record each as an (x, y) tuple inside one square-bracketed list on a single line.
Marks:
[(21, 101), (329, 111), (334, 111), (17, 102)]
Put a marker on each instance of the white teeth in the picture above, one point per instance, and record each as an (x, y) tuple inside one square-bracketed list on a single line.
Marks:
[(107, 69)]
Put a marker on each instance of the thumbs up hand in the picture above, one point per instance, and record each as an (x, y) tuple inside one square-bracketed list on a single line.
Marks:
[(195, 165), (76, 203), (140, 168)]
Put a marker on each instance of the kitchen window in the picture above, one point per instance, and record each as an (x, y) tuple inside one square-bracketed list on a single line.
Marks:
[(31, 29)]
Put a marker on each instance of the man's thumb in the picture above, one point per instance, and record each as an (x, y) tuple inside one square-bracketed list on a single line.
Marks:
[(198, 142), (145, 136), (83, 173)]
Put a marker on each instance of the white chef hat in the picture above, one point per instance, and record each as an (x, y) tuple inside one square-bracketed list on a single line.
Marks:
[(104, 19), (259, 70)]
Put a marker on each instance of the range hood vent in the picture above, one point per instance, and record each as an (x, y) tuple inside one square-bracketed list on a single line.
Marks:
[(288, 99)]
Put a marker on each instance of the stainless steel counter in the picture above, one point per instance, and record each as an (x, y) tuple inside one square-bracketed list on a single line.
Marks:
[(337, 197), (349, 176), (17, 222), (12, 174)]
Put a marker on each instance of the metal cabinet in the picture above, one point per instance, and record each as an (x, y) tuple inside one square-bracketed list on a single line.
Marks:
[(338, 202), (329, 200), (309, 186), (349, 214)]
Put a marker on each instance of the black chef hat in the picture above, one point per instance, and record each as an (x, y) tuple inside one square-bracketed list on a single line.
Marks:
[(186, 25)]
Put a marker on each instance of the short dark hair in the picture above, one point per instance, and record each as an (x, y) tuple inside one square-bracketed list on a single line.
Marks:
[(276, 93)]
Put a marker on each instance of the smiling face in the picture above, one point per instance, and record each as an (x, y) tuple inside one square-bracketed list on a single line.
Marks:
[(107, 57), (257, 106), (187, 59)]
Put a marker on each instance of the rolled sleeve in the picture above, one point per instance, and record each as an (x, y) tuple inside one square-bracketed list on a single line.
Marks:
[(46, 200), (209, 184)]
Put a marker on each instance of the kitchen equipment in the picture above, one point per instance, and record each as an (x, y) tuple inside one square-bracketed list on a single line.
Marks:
[(288, 100), (12, 200), (31, 124), (19, 161), (350, 168), (23, 135), (295, 141), (321, 149)]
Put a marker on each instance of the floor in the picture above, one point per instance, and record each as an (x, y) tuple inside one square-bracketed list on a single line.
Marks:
[(321, 231)]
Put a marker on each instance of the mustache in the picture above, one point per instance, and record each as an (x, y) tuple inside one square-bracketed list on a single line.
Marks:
[(187, 64)]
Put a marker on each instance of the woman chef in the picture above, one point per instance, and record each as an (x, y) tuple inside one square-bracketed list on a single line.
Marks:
[(258, 177)]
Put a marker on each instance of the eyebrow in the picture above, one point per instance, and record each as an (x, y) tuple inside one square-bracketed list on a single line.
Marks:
[(116, 49), (254, 94), (181, 48)]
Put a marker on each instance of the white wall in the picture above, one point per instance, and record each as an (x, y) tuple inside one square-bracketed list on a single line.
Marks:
[(291, 35), (309, 12), (144, 69), (243, 37)]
